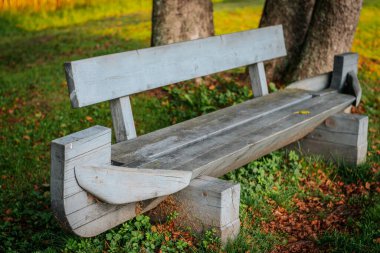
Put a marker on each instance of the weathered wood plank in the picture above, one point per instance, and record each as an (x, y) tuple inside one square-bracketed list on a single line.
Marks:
[(343, 64), (206, 203), (122, 119), (120, 185), (335, 152), (316, 83), (341, 138), (258, 79), (353, 87), (167, 140), (347, 123), (112, 76), (342, 128), (77, 210), (235, 147)]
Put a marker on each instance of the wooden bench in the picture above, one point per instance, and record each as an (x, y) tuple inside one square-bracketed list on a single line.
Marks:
[(96, 186)]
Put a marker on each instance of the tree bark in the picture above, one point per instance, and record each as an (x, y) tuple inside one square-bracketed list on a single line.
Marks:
[(331, 32), (315, 31), (178, 20), (294, 16)]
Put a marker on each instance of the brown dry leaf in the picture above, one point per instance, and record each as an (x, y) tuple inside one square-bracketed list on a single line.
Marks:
[(89, 119)]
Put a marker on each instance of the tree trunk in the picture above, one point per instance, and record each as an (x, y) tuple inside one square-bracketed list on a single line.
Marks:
[(178, 20), (331, 32), (315, 30), (295, 16)]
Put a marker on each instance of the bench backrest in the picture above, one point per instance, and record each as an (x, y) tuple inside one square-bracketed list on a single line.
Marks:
[(112, 76)]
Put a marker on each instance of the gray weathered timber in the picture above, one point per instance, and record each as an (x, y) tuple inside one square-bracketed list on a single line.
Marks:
[(80, 212), (335, 152), (120, 185), (258, 79), (343, 64), (206, 203), (122, 119), (341, 138), (353, 87), (229, 149), (343, 128), (167, 140), (112, 76), (316, 83)]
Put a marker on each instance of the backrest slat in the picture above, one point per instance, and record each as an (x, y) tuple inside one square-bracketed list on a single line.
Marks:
[(112, 76)]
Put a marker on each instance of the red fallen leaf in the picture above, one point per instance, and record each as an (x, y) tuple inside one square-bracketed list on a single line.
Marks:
[(8, 211), (89, 119), (26, 137), (35, 187), (4, 177), (368, 185), (8, 219), (377, 240)]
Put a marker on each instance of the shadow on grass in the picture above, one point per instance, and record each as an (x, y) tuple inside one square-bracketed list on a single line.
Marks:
[(31, 49)]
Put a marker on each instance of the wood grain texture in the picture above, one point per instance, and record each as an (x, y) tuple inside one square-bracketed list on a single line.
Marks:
[(122, 119), (112, 76), (217, 153), (77, 210), (229, 232), (206, 203), (341, 138), (342, 128), (316, 83), (258, 79), (335, 152), (353, 87), (343, 64), (120, 185), (167, 140)]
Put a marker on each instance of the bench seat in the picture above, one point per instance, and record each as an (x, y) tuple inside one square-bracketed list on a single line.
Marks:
[(229, 138)]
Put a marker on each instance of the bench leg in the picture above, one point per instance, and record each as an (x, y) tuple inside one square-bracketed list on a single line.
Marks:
[(342, 137), (207, 203)]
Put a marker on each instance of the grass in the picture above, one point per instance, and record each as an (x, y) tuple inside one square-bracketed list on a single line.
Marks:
[(34, 109)]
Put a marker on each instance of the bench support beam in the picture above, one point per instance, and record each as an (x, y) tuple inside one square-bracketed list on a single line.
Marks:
[(207, 203), (122, 119), (341, 138), (258, 79)]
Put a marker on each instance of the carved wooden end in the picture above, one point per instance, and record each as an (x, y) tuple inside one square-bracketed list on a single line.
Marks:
[(214, 203), (77, 210)]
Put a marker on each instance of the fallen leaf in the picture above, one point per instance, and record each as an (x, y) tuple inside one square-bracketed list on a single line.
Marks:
[(89, 119), (303, 112)]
